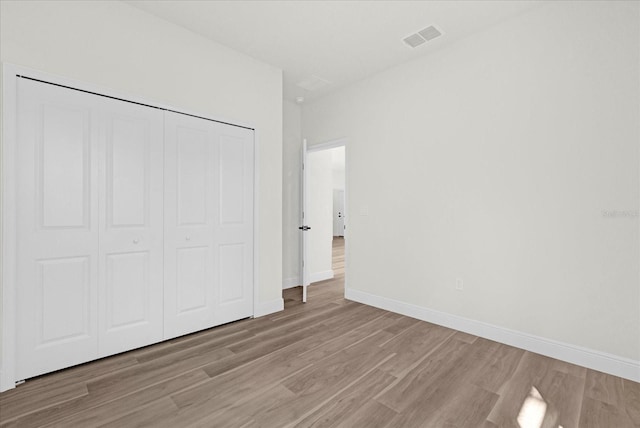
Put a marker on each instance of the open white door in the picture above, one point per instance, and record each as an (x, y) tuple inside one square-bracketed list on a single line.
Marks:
[(338, 212), (304, 228)]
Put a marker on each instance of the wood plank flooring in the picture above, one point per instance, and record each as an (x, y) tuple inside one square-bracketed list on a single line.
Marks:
[(326, 363)]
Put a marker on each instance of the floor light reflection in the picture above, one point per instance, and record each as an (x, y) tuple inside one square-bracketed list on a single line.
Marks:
[(533, 410)]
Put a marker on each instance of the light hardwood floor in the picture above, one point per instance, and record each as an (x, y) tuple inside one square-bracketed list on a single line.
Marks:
[(329, 362)]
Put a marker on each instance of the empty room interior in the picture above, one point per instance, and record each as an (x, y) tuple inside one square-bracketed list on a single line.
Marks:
[(320, 213)]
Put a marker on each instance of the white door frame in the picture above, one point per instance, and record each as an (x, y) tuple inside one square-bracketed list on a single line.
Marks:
[(331, 144), (10, 73)]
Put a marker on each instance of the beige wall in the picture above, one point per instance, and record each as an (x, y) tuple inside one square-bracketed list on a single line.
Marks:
[(114, 45), (496, 160)]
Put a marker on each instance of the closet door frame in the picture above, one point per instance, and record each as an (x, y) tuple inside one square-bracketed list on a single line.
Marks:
[(10, 75)]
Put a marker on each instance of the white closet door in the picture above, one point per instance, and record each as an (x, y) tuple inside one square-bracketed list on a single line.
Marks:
[(190, 219), (57, 229), (134, 225), (234, 230), (208, 224), (131, 227)]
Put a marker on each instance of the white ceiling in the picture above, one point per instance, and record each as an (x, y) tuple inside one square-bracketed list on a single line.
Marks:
[(339, 41)]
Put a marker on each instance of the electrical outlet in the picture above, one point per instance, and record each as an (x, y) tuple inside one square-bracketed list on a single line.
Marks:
[(459, 284)]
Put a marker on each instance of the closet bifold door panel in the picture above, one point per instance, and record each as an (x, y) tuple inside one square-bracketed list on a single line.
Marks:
[(190, 215), (57, 221), (130, 275), (208, 224), (89, 228), (234, 230)]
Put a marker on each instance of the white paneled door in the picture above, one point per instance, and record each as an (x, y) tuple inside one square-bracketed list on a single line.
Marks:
[(234, 229), (57, 212), (208, 224), (90, 227), (130, 267), (190, 216), (134, 225)]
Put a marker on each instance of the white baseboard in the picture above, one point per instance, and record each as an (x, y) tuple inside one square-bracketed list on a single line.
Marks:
[(294, 281), (596, 360), (320, 276), (265, 308), (313, 277)]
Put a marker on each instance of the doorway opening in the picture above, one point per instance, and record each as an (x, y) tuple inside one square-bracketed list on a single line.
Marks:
[(324, 216)]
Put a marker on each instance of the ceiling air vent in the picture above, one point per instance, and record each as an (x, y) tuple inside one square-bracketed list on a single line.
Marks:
[(422, 36), (414, 40), (430, 33)]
